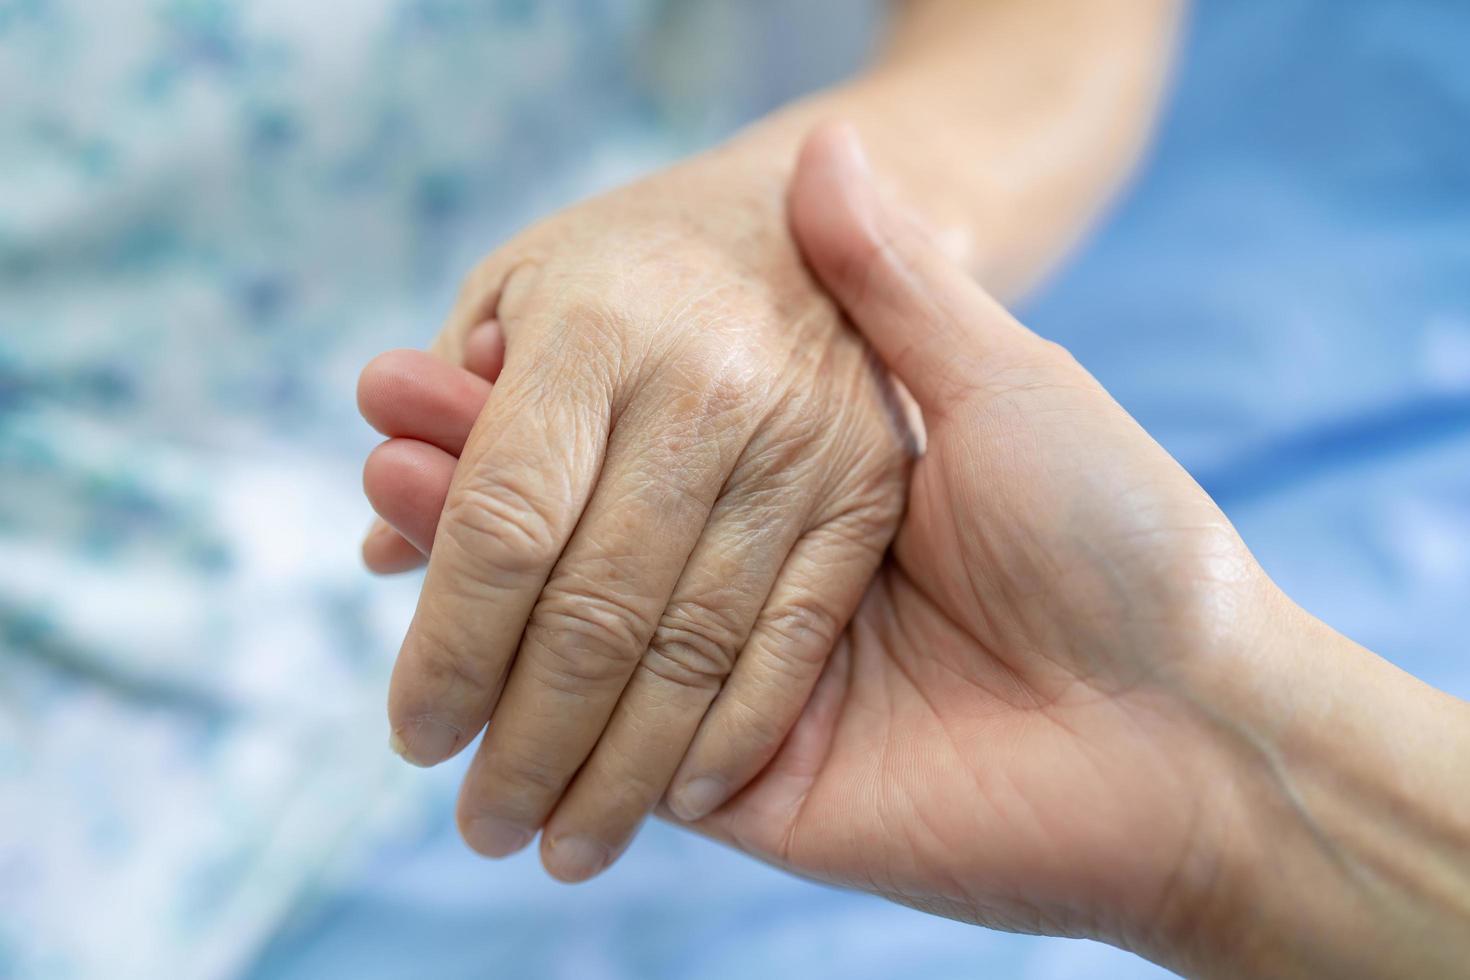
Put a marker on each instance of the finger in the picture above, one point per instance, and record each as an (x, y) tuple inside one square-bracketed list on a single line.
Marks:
[(416, 395), (758, 820), (709, 617), (479, 301), (929, 321), (407, 481), (595, 618), (817, 592), (525, 475), (484, 350), (386, 552)]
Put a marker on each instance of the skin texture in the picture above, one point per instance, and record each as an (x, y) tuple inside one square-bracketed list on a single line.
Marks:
[(642, 519), (1070, 702), (1019, 636), (687, 470)]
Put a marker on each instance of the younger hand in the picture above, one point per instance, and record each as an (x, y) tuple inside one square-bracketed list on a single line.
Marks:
[(1072, 702)]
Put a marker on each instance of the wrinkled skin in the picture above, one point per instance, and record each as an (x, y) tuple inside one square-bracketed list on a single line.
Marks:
[(1018, 726), (667, 509)]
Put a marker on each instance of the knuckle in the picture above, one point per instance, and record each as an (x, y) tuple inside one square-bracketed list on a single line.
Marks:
[(778, 451), (505, 527), (709, 406), (593, 324), (604, 620), (696, 645), (801, 633), (588, 638), (730, 378)]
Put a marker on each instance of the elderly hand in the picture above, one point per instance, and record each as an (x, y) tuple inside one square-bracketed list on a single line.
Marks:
[(665, 512), (1072, 702)]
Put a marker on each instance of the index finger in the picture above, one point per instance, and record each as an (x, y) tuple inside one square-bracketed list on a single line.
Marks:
[(521, 484)]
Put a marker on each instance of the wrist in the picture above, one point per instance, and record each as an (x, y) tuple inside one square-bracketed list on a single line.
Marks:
[(952, 203), (1002, 128), (1351, 856)]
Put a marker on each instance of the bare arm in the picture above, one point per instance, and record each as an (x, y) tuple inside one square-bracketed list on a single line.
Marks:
[(1356, 859), (1008, 125)]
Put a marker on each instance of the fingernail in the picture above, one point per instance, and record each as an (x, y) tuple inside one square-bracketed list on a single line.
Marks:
[(697, 798), (399, 749), (496, 838), (576, 858), (425, 741)]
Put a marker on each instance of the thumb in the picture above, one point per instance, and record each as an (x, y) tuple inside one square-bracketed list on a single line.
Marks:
[(926, 318)]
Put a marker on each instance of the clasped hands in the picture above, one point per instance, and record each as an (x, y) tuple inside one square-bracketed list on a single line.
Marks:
[(685, 554)]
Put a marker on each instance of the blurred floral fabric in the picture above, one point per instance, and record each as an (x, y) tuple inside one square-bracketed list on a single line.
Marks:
[(211, 215)]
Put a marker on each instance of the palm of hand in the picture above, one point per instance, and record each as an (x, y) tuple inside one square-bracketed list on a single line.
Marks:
[(999, 731)]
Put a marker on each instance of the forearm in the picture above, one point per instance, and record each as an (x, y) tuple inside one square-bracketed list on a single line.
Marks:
[(1007, 125), (1355, 860)]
